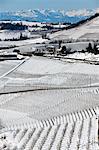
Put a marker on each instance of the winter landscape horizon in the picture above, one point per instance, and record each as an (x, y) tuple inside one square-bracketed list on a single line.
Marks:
[(49, 75), (48, 15)]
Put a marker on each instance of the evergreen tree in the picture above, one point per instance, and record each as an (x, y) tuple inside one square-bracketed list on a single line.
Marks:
[(60, 42), (89, 48), (95, 49), (63, 50), (21, 36)]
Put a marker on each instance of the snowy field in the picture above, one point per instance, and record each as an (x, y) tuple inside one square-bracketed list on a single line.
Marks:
[(54, 105), (52, 82), (40, 65), (46, 104), (5, 66), (77, 46), (42, 73), (86, 56), (7, 34), (23, 42)]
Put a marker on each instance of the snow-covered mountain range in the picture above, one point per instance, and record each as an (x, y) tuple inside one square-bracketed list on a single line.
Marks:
[(54, 16)]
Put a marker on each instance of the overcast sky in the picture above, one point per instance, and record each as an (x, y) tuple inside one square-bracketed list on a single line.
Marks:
[(13, 5)]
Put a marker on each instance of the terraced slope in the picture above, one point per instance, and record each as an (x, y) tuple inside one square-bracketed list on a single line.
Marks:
[(52, 115), (45, 89), (46, 104), (79, 135)]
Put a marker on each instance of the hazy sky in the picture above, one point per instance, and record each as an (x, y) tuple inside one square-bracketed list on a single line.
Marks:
[(47, 4)]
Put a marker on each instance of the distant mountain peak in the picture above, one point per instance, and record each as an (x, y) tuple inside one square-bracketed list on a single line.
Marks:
[(48, 15), (81, 12)]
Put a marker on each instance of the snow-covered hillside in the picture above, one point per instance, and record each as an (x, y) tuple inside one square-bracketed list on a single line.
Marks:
[(88, 30), (54, 105), (59, 78)]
